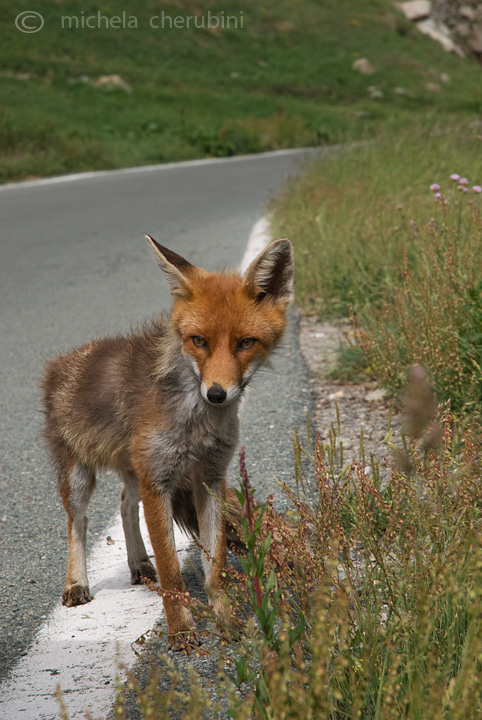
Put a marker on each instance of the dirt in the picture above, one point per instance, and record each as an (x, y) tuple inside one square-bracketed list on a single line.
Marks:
[(361, 406)]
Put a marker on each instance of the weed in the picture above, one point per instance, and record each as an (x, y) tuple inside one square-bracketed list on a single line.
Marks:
[(432, 315), (366, 603)]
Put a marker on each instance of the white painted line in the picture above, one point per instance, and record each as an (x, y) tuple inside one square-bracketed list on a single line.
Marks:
[(73, 177), (80, 649), (259, 237)]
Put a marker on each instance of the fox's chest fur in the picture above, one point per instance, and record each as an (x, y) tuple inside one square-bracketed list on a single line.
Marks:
[(190, 431)]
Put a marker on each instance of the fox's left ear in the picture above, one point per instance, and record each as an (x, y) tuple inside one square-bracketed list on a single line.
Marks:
[(271, 274), (175, 268)]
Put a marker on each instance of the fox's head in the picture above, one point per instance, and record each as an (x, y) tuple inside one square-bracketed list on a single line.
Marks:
[(228, 323)]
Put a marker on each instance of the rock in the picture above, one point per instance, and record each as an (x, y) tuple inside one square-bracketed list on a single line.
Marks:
[(440, 33), (415, 9), (363, 66), (462, 29), (375, 395), (113, 82), (475, 40), (375, 92), (467, 12)]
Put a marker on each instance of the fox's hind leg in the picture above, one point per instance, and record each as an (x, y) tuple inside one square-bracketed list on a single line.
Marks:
[(76, 488), (137, 559)]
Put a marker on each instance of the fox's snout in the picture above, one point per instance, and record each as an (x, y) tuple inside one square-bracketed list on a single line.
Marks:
[(216, 394)]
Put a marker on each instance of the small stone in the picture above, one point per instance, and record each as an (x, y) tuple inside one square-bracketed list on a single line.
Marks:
[(112, 82), (462, 29), (374, 92), (375, 395), (440, 33), (363, 66), (415, 9), (475, 40), (467, 12)]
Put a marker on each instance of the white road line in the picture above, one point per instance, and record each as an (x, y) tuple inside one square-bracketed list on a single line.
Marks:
[(259, 237), (80, 649)]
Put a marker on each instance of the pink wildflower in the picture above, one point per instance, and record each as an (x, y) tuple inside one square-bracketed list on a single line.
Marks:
[(454, 176), (435, 186), (437, 195), (463, 188), (463, 181), (477, 189)]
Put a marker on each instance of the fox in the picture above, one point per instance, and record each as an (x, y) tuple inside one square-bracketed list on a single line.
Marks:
[(160, 405)]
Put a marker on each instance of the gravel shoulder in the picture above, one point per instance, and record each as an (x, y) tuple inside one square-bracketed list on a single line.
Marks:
[(361, 407)]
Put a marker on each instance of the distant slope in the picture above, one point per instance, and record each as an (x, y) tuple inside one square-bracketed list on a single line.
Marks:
[(198, 79)]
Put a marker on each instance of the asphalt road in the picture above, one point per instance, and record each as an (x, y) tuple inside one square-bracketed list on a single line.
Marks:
[(74, 264)]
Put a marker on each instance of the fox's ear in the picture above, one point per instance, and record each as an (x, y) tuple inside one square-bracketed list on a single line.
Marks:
[(271, 274), (175, 268)]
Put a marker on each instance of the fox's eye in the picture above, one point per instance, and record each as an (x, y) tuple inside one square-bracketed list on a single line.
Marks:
[(199, 341), (246, 343)]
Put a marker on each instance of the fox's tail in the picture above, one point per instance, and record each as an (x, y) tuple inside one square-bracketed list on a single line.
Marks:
[(185, 516)]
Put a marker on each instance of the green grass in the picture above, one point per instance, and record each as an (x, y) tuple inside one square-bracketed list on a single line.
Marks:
[(283, 79), (372, 242)]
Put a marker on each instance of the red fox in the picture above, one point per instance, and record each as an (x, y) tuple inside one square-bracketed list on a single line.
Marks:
[(160, 406)]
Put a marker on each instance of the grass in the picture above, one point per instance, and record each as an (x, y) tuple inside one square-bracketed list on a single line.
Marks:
[(378, 246), (283, 79)]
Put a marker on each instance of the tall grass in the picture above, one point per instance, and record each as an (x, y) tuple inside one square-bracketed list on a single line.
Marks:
[(433, 314), (367, 606), (375, 242)]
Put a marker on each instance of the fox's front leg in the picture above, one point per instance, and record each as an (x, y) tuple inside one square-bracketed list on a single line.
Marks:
[(158, 514), (209, 501)]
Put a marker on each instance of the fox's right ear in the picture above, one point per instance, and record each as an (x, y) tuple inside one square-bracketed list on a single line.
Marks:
[(175, 268)]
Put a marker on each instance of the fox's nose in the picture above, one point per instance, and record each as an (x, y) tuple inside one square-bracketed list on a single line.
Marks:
[(216, 394)]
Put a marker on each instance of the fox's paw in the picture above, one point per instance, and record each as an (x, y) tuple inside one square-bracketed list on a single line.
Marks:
[(184, 640), (76, 595), (145, 570)]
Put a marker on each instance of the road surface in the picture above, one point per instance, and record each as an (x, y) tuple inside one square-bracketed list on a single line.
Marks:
[(74, 264)]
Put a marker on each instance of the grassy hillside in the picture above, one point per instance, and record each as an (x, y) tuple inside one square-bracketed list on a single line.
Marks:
[(283, 77)]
